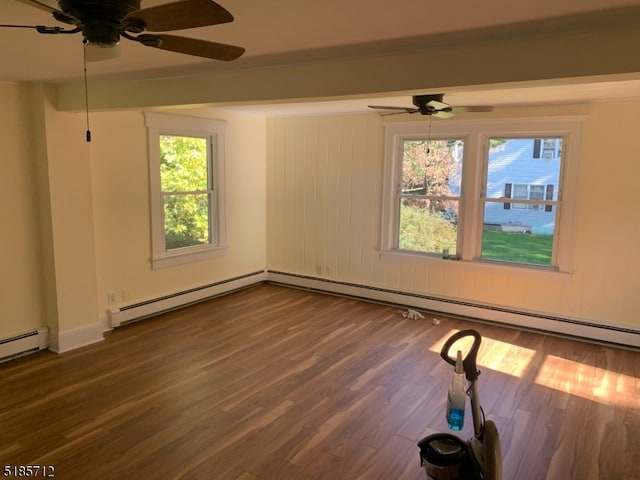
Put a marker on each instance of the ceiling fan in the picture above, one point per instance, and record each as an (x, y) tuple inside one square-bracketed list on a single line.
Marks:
[(431, 105), (103, 22)]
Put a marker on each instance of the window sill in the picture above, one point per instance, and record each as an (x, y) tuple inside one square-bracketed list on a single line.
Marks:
[(476, 266), (187, 255)]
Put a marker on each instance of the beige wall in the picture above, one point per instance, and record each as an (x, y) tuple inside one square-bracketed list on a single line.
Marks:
[(68, 212), (48, 257), (21, 285), (324, 176), (121, 206), (75, 215)]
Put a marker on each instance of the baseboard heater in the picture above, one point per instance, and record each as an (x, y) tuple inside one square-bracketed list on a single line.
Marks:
[(548, 324), (24, 344), (124, 314)]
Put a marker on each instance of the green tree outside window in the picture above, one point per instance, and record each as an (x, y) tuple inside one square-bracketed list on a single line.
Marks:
[(186, 190)]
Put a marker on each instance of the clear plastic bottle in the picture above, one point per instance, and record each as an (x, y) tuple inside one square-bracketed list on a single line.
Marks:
[(457, 397)]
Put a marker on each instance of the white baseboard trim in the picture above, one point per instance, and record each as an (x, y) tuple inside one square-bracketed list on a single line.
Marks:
[(67, 340), (571, 327), (103, 319), (127, 313)]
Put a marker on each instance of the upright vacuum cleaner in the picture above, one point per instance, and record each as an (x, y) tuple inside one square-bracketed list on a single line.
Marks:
[(445, 456)]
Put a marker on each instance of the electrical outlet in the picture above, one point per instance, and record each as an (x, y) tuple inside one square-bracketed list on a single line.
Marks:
[(111, 298)]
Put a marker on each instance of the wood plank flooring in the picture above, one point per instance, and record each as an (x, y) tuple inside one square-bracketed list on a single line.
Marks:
[(277, 383)]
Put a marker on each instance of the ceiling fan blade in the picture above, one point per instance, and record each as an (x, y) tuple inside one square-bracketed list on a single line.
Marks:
[(437, 105), (179, 15), (40, 5), (191, 46), (397, 113), (57, 14), (473, 109), (400, 109), (443, 114), (478, 109)]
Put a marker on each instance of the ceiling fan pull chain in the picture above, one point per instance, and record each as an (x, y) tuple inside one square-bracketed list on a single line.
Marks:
[(86, 89)]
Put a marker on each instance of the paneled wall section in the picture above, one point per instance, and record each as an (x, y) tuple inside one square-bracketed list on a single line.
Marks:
[(324, 182), (324, 178)]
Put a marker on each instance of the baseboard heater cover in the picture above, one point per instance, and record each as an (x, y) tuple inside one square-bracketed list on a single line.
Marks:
[(24, 344), (575, 328), (124, 314)]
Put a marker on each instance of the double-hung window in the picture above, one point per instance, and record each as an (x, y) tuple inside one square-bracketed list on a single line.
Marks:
[(489, 194), (186, 169)]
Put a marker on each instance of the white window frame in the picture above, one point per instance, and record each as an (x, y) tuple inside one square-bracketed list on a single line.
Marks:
[(214, 130), (476, 135)]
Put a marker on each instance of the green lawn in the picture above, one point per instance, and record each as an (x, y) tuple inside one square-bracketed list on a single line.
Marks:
[(517, 247)]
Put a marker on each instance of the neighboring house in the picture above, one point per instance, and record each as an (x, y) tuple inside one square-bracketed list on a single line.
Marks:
[(525, 170)]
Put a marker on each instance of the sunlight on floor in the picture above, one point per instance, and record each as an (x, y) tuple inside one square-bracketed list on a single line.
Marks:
[(575, 378), (587, 381), (500, 356)]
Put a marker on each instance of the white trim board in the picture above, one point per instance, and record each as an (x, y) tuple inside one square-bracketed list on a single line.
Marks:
[(66, 340), (575, 328)]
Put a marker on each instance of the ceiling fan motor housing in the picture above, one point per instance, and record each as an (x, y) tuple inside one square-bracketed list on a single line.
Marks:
[(102, 20), (423, 103)]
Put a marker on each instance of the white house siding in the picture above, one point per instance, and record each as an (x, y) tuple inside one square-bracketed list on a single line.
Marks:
[(513, 163)]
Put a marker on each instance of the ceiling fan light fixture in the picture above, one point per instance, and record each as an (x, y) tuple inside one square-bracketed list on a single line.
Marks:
[(99, 53), (102, 34)]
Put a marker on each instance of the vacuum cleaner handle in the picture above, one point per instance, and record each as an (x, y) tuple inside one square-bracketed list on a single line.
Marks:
[(469, 362)]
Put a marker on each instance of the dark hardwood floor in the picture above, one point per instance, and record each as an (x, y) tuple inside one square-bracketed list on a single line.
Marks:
[(276, 383)]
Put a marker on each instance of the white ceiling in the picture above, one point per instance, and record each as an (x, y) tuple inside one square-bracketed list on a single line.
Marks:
[(272, 31)]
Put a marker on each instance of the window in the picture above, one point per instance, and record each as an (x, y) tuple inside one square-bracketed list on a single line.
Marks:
[(186, 168), (481, 192), (536, 192), (519, 192), (547, 148), (527, 192)]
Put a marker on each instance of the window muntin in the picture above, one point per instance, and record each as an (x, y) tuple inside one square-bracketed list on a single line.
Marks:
[(483, 190)]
